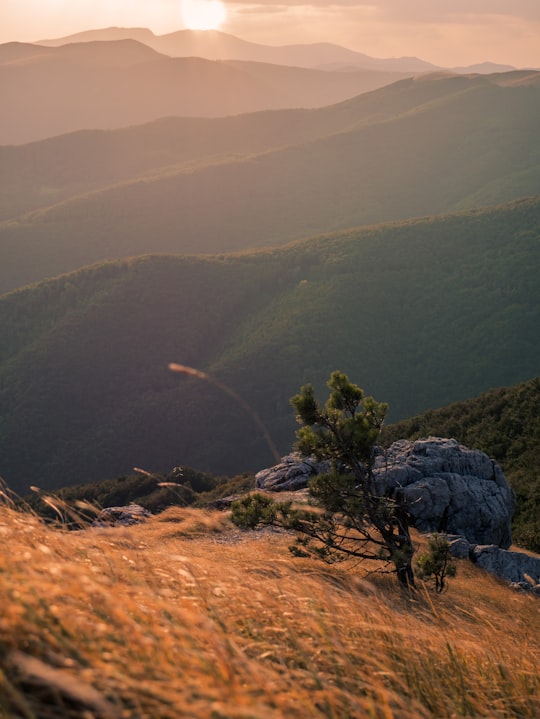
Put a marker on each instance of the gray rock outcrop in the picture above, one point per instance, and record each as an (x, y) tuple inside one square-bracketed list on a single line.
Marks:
[(121, 516), (521, 570), (448, 488), (292, 473), (445, 486)]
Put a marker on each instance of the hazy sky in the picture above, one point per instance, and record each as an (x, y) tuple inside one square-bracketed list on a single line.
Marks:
[(445, 32)]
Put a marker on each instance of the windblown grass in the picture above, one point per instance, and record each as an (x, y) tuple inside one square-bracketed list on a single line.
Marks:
[(186, 616)]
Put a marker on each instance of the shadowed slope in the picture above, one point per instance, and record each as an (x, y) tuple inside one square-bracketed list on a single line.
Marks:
[(419, 314), (43, 173)]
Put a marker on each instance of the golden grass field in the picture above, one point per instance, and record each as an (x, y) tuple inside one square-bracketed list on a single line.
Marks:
[(187, 616)]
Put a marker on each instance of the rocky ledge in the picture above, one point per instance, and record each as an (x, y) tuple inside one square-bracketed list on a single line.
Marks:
[(445, 486), (448, 488), (521, 570), (121, 516)]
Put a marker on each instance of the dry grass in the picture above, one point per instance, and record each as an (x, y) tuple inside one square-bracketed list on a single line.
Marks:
[(186, 616)]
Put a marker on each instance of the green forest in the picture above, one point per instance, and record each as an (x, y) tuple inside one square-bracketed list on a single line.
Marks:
[(420, 313), (393, 236)]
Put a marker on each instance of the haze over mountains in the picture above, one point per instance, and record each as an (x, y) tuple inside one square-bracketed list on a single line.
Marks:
[(417, 147), (216, 45), (121, 76), (52, 90)]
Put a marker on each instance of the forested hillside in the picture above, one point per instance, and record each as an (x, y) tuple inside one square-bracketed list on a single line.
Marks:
[(420, 314), (39, 174), (416, 148)]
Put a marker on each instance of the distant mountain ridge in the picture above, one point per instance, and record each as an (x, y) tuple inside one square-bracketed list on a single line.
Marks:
[(217, 45), (120, 53), (419, 313)]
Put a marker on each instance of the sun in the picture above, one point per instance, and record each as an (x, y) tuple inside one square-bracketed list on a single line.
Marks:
[(203, 14)]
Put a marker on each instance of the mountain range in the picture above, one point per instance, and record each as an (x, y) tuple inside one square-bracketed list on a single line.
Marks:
[(217, 45), (116, 77), (419, 313), (416, 147), (49, 91)]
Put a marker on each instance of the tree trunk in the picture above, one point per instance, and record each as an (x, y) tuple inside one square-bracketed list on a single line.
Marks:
[(405, 574)]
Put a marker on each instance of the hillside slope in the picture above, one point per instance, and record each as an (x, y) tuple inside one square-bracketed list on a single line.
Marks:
[(420, 314), (467, 142), (39, 174), (184, 616), (504, 423)]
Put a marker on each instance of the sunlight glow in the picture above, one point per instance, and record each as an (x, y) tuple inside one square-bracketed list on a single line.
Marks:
[(203, 14)]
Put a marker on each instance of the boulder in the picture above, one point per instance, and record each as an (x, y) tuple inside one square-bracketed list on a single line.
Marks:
[(121, 516), (223, 503), (521, 570), (512, 566), (445, 486), (292, 473), (448, 488)]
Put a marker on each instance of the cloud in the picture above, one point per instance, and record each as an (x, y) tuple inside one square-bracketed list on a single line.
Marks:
[(455, 10), (445, 32), (418, 11)]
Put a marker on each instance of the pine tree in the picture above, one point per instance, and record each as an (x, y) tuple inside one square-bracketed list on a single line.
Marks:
[(357, 519)]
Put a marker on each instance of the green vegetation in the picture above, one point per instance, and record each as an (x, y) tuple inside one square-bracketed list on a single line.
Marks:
[(415, 148), (41, 174), (256, 510), (504, 423), (424, 312), (508, 416), (182, 486), (437, 562), (357, 522)]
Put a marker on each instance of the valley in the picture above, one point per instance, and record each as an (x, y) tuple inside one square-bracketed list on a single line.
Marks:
[(419, 313)]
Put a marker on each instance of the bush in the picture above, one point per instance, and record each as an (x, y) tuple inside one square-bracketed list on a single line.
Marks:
[(437, 563), (253, 510)]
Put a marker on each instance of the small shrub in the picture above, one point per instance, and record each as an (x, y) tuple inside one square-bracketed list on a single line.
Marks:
[(437, 562), (252, 510)]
